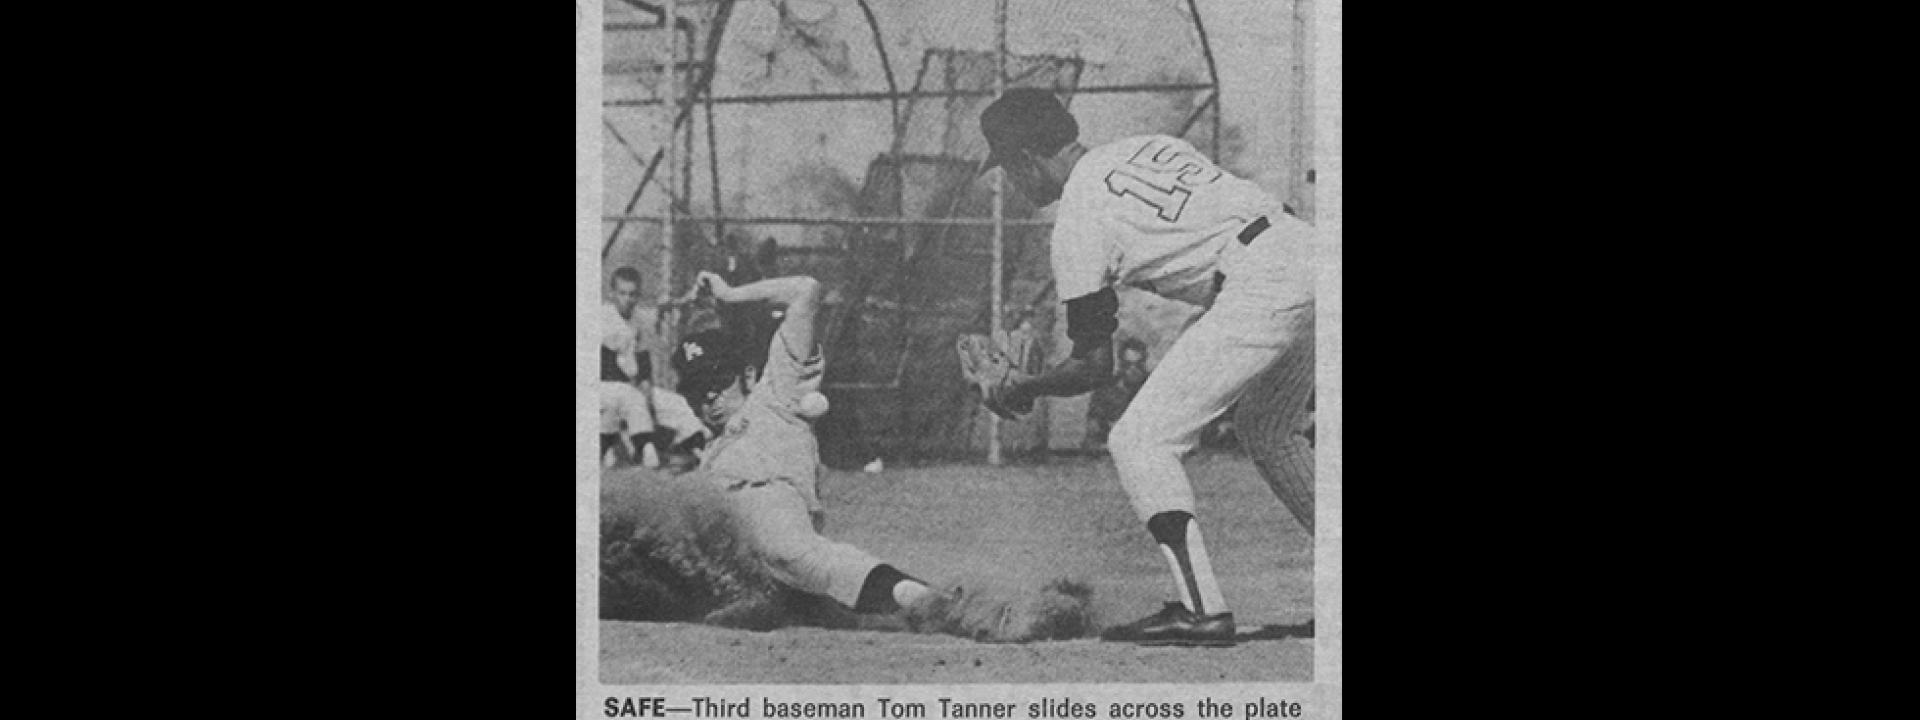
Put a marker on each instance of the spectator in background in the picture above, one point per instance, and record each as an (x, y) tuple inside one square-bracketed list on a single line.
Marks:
[(1111, 400), (645, 423), (626, 372)]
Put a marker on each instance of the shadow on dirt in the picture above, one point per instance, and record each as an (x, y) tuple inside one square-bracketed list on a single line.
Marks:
[(1274, 632)]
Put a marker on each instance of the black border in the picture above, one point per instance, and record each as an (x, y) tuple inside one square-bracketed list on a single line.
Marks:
[(1484, 207)]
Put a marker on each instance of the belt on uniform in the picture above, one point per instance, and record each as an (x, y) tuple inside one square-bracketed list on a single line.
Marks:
[(1247, 234), (739, 483), (1253, 230)]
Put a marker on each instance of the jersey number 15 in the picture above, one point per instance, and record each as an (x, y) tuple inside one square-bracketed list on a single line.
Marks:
[(1160, 176)]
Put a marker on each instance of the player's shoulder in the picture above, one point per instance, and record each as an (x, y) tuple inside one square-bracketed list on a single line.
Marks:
[(1118, 154), (1086, 186), (611, 314), (1126, 147), (1123, 148)]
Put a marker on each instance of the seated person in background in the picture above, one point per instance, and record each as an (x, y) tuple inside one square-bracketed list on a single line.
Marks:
[(626, 372), (674, 439), (678, 433)]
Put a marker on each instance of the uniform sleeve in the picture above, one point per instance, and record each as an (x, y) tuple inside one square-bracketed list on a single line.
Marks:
[(1080, 261), (1091, 320), (615, 333), (788, 376)]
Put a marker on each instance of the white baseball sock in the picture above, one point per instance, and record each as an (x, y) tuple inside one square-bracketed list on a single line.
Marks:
[(1186, 554)]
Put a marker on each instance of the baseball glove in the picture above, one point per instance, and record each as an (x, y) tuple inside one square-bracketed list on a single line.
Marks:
[(988, 368)]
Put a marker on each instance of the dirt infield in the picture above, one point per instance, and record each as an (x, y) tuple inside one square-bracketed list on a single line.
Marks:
[(1028, 524)]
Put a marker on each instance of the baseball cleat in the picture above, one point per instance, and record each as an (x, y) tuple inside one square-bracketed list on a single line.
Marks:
[(1175, 625)]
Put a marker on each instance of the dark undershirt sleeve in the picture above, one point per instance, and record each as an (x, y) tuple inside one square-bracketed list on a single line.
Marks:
[(610, 366), (1091, 320)]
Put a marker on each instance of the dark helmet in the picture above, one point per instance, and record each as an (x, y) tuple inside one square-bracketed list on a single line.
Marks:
[(708, 360), (1025, 119)]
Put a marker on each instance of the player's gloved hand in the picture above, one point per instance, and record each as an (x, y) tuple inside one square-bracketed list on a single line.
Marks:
[(987, 367)]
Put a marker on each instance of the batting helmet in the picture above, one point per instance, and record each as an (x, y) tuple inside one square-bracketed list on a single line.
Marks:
[(1026, 119), (709, 360)]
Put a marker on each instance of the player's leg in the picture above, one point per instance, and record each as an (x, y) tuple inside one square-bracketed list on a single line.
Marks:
[(1276, 422), (678, 432), (673, 415), (779, 527), (632, 408), (1204, 372), (617, 404), (1276, 270)]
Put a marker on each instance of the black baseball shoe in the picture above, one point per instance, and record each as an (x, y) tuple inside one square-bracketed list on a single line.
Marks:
[(1175, 625)]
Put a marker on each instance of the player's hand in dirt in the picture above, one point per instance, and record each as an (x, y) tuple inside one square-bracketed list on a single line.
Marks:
[(997, 612)]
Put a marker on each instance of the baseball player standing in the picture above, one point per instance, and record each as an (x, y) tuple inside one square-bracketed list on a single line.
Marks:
[(1151, 212), (766, 458)]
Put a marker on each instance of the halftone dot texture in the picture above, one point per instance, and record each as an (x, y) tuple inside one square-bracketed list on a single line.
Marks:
[(898, 297)]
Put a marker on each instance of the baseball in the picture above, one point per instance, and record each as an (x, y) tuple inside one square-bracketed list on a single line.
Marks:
[(813, 405)]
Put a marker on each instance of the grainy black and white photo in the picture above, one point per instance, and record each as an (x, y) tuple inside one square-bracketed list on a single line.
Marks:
[(959, 343)]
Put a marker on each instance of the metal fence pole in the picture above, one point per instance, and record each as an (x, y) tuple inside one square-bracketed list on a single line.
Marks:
[(999, 219), (670, 331), (672, 139)]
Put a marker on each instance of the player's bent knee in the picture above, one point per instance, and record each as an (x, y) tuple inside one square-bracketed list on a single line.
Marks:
[(800, 561), (1132, 439), (1124, 431), (784, 567)]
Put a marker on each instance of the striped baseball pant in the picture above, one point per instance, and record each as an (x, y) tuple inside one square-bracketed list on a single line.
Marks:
[(1259, 329)]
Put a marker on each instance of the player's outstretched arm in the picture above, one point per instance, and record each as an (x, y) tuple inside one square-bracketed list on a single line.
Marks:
[(1091, 321), (801, 294), (1089, 368)]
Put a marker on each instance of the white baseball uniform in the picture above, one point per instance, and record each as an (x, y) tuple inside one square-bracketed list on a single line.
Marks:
[(623, 408), (769, 462), (1152, 213), (619, 335)]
